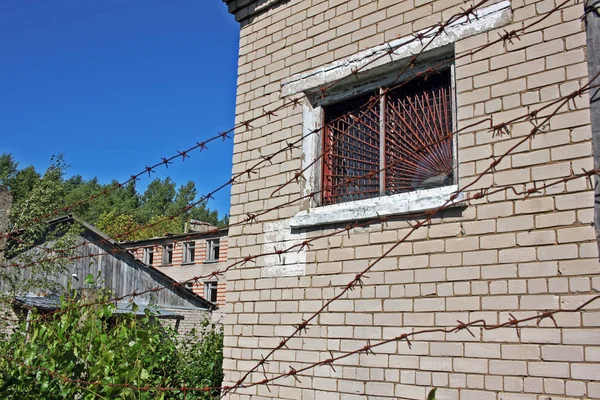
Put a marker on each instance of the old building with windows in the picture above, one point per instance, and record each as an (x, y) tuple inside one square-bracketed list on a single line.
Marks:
[(184, 257), (409, 165), (111, 267)]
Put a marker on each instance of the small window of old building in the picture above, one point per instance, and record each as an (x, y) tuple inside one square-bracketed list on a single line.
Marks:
[(389, 141), (167, 256), (212, 250), (210, 291), (189, 252), (148, 257)]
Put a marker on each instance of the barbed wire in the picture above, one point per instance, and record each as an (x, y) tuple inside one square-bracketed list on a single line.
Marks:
[(531, 115), (512, 322), (428, 215), (166, 161), (495, 129), (507, 37), (436, 29)]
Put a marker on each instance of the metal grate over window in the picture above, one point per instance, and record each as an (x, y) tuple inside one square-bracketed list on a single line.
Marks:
[(391, 141)]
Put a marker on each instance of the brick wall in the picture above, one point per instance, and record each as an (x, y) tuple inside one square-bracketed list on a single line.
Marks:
[(501, 254), (181, 271), (193, 319)]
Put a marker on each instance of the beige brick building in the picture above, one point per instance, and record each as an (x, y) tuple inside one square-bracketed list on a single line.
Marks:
[(351, 142), (187, 256)]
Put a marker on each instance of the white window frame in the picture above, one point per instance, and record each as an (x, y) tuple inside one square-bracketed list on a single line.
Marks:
[(209, 287), (210, 250), (376, 71), (166, 250), (189, 251), (400, 203), (148, 255)]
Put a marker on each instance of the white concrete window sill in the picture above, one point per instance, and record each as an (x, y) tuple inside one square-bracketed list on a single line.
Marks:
[(396, 204)]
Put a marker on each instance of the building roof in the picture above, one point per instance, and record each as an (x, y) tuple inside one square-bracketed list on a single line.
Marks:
[(126, 269), (52, 302), (243, 9)]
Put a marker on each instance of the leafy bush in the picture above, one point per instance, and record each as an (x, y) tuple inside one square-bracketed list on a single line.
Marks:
[(94, 344)]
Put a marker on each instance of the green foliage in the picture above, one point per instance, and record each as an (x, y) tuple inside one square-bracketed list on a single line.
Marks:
[(43, 193), (54, 241), (123, 226), (20, 181), (160, 226), (157, 199), (120, 211), (94, 344), (114, 224)]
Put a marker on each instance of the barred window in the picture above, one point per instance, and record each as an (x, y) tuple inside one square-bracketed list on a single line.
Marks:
[(389, 141)]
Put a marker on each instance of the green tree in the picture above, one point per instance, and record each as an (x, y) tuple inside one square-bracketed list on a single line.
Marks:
[(43, 248), (19, 181), (117, 205), (156, 200), (95, 344), (202, 213), (118, 226), (122, 200), (124, 228), (161, 225)]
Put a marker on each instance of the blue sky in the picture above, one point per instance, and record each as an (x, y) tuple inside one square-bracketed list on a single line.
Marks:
[(118, 84)]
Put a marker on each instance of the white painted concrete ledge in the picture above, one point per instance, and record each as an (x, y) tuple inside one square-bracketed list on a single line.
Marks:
[(488, 18), (396, 204)]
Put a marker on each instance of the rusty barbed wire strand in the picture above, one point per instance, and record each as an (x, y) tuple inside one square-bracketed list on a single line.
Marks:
[(566, 99), (479, 323), (359, 276), (437, 29), (423, 34), (166, 161), (507, 37), (253, 217), (346, 229), (372, 102), (562, 101), (367, 349), (536, 131)]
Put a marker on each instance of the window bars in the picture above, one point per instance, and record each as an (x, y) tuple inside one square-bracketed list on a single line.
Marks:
[(397, 142)]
